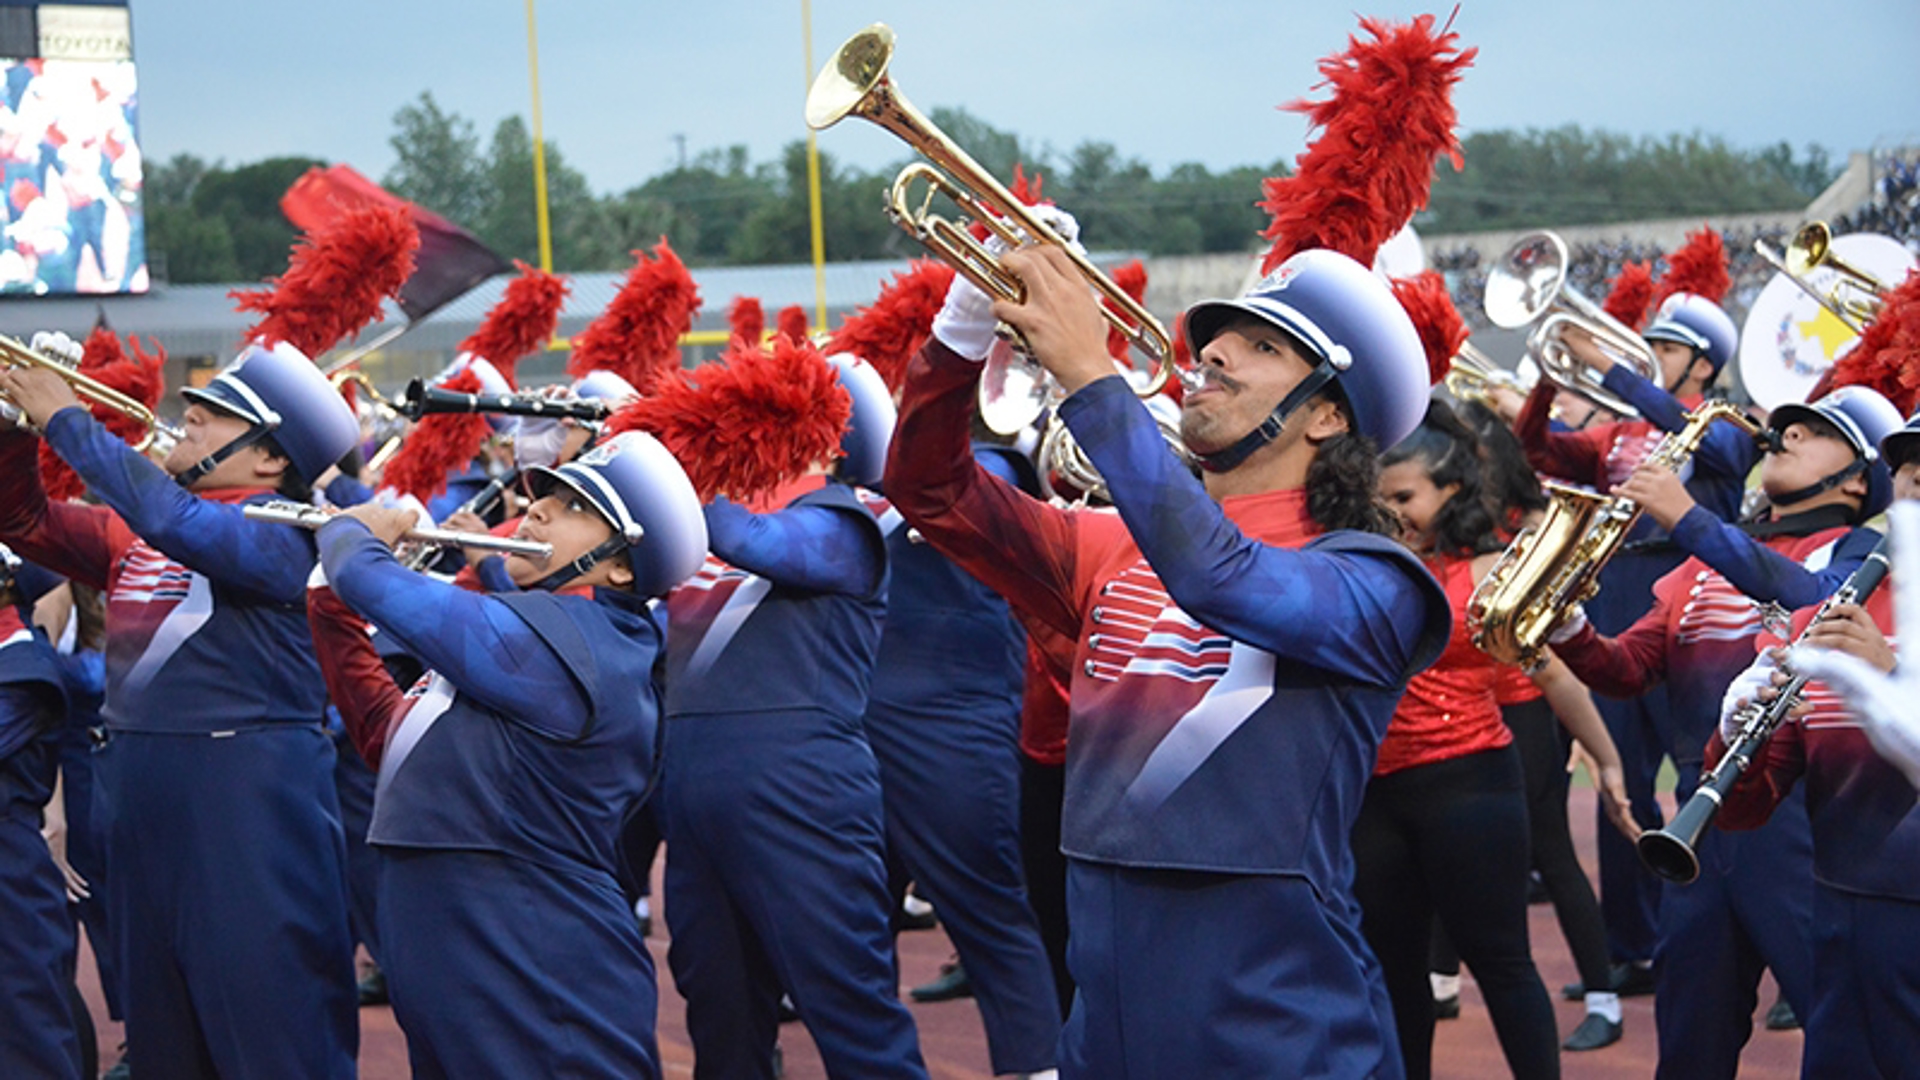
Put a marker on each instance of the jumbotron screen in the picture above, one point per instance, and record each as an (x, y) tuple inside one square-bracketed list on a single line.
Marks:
[(70, 193)]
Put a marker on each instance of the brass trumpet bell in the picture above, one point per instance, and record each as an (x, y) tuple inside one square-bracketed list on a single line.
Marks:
[(1854, 297), (159, 433)]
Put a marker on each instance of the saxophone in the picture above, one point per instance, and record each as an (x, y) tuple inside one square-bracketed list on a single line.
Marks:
[(1555, 563)]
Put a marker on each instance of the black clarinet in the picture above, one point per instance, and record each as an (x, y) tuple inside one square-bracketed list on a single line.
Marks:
[(1671, 852), (422, 400)]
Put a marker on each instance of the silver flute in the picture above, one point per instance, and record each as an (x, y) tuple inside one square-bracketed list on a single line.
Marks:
[(312, 517)]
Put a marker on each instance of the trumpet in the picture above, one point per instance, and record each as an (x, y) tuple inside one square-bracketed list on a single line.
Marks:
[(283, 512), (422, 400), (1528, 285), (1672, 852), (159, 433), (1473, 375), (1854, 297), (855, 83)]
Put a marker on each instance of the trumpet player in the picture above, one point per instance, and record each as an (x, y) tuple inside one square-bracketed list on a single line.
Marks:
[(1692, 340), (230, 908), (1752, 904), (1863, 1018), (1241, 642)]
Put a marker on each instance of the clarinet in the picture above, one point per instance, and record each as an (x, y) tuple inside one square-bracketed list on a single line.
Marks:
[(1672, 852), (423, 400)]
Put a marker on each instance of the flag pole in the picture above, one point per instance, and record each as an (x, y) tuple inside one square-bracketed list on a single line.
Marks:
[(813, 184)]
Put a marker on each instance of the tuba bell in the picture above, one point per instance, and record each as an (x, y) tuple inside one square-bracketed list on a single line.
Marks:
[(1528, 286)]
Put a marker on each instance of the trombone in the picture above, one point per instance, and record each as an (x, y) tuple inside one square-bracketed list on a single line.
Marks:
[(1528, 285), (855, 83), (159, 433), (1854, 297)]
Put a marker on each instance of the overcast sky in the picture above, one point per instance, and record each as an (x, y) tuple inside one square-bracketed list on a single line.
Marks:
[(1168, 81)]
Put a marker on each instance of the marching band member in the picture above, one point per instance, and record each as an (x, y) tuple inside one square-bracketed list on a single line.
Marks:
[(1443, 826), (770, 796), (229, 902), (504, 776), (1294, 637), (1691, 339), (1751, 906), (38, 1034)]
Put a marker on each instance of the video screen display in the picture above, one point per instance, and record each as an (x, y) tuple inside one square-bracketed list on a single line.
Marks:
[(70, 193)]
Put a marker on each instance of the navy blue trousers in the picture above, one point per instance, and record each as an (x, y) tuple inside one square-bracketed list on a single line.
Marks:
[(1865, 1018), (502, 968), (38, 1038), (776, 879), (86, 851), (1043, 790), (952, 791), (353, 782), (229, 903), (1751, 909), (1227, 976)]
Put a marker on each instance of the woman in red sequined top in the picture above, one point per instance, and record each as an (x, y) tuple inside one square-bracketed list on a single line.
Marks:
[(1443, 827)]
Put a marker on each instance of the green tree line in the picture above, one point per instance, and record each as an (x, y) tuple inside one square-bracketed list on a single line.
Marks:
[(209, 222)]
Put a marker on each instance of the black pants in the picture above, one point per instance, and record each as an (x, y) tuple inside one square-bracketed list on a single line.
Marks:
[(1543, 746), (1450, 838), (1042, 789)]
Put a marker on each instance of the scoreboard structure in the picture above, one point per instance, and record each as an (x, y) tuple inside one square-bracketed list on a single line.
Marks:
[(70, 164)]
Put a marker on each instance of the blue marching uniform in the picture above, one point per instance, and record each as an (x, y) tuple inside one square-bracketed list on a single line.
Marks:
[(771, 801), (503, 778), (37, 1027), (943, 717), (1221, 736), (85, 675), (215, 793)]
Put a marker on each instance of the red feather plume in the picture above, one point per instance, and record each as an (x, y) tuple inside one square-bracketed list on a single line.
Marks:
[(1442, 330), (749, 423), (792, 322), (1699, 267), (1132, 279), (892, 329), (638, 336), (140, 376), (1631, 294), (335, 280), (747, 321), (437, 445), (1887, 357), (521, 322), (1391, 113)]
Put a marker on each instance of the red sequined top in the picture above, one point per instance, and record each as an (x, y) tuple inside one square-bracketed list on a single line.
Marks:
[(1449, 710)]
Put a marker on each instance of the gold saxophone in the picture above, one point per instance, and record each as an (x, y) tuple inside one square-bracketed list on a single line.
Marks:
[(1555, 564)]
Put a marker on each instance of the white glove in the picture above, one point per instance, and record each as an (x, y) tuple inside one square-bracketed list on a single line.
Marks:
[(1745, 687), (58, 346), (537, 441), (965, 323), (1567, 631)]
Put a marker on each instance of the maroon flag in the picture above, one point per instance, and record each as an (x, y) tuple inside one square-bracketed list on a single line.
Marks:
[(450, 261)]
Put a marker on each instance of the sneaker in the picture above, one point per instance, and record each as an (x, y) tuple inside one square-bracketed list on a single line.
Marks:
[(643, 912), (1593, 1033), (916, 914), (787, 1013), (1781, 1017), (373, 988), (1447, 1008), (951, 983), (122, 1069)]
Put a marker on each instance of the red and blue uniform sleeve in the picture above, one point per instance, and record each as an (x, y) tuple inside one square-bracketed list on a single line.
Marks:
[(1631, 663), (1014, 544), (214, 539), (358, 683), (345, 491), (80, 542), (1344, 612), (1761, 572), (1579, 456), (476, 641), (815, 548), (1726, 450)]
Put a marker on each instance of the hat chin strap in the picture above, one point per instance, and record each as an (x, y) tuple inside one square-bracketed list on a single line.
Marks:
[(212, 461), (607, 548), (1823, 486), (1269, 429)]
